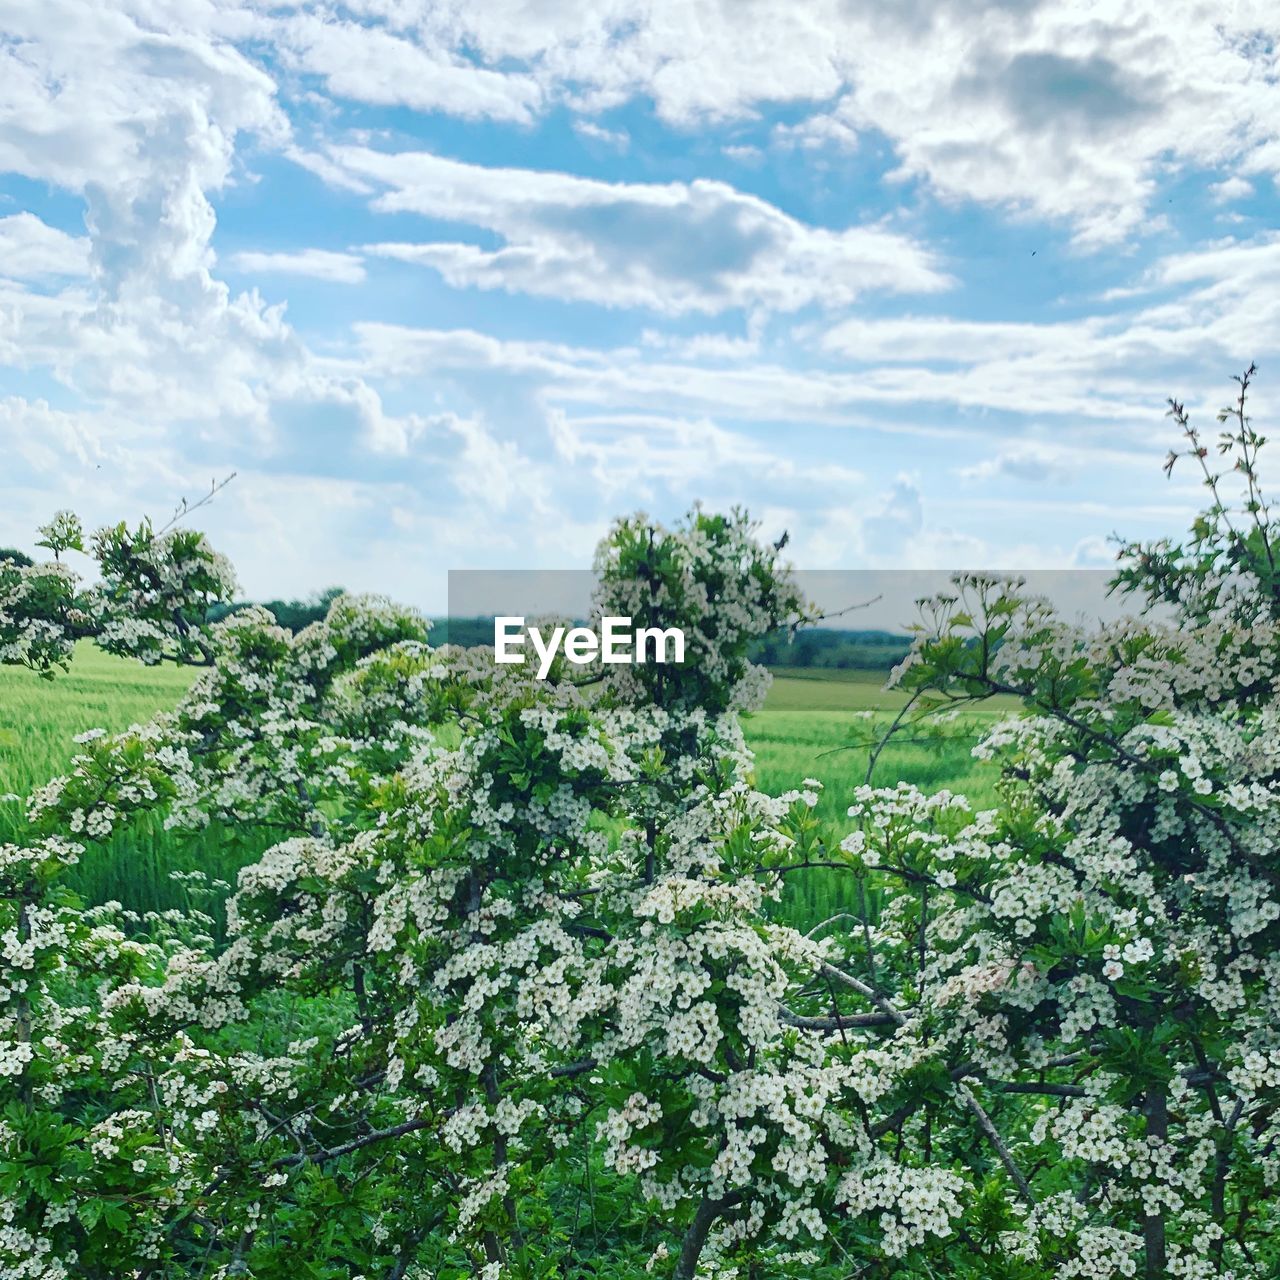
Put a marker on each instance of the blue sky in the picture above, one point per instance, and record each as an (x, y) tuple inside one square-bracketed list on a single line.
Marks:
[(451, 285)]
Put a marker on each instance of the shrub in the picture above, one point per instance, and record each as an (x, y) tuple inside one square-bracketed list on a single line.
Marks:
[(503, 998)]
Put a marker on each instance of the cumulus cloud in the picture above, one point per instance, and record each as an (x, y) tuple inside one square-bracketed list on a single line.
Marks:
[(143, 118), (45, 440), (650, 456), (896, 522), (815, 133), (1096, 384), (91, 98), (1051, 110), (141, 122), (673, 247), (1230, 189), (774, 389), (1239, 261), (944, 339)]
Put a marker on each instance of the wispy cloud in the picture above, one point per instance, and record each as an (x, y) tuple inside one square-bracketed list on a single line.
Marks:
[(318, 264), (618, 139), (671, 247)]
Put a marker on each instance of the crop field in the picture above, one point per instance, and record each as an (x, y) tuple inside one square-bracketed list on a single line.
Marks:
[(39, 720), (816, 724)]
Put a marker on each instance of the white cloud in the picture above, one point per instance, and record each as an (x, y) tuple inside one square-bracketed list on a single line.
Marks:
[(1227, 261), (673, 247), (104, 464), (641, 457), (1233, 188), (896, 523), (334, 175), (32, 250), (1064, 112), (702, 346), (816, 133), (1094, 553), (697, 62), (887, 530), (318, 264), (771, 389), (618, 139), (942, 339), (141, 120), (1224, 313), (90, 96), (1031, 461), (374, 65), (404, 351), (47, 440), (147, 110), (1098, 382)]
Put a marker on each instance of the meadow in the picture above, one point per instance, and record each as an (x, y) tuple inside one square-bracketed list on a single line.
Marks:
[(39, 720), (815, 724)]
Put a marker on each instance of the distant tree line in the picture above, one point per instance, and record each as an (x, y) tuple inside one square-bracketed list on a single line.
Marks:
[(293, 615), (828, 648), (820, 648)]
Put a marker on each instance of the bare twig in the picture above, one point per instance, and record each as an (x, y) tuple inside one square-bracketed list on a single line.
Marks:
[(185, 508)]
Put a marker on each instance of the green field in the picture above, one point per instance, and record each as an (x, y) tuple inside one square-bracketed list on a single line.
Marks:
[(815, 724), (38, 723)]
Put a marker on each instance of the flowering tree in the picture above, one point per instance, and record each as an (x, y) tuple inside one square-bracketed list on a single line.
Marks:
[(1106, 942), (505, 995)]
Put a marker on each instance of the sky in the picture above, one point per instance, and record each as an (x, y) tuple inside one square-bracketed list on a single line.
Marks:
[(452, 285)]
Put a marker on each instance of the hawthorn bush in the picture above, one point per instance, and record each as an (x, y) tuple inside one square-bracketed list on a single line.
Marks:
[(504, 997)]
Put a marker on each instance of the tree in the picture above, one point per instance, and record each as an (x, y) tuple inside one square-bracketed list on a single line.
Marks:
[(504, 998)]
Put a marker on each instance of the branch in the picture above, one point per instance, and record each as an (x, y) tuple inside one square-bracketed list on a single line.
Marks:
[(839, 1022), (571, 1070), (993, 1137), (1045, 1088), (696, 1235), (332, 1153), (184, 509), (856, 984), (839, 613)]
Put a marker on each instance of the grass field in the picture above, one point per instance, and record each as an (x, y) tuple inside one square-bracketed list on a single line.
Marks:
[(813, 725), (38, 723)]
